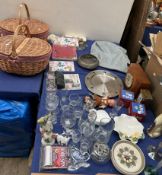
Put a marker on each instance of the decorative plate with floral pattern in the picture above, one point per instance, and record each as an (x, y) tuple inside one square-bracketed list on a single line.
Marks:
[(127, 158)]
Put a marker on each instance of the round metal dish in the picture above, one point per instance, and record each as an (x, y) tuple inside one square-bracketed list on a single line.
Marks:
[(88, 61), (103, 83)]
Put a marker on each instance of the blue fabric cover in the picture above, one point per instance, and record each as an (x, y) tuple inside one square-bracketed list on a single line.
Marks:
[(16, 128)]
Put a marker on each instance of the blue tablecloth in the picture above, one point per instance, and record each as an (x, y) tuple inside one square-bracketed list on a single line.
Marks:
[(20, 87), (94, 168)]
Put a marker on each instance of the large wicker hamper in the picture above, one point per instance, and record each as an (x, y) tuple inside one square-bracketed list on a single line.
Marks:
[(37, 28), (22, 55)]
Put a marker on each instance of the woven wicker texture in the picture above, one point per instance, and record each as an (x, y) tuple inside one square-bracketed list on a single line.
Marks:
[(32, 47), (37, 28), (23, 55), (6, 43), (23, 68)]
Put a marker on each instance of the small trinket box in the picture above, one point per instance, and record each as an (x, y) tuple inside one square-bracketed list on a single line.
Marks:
[(145, 97), (60, 83), (126, 97), (138, 110)]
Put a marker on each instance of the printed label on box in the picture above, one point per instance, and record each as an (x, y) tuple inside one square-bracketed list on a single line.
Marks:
[(138, 108), (127, 95)]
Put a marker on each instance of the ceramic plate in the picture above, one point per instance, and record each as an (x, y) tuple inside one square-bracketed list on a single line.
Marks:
[(127, 158), (100, 115)]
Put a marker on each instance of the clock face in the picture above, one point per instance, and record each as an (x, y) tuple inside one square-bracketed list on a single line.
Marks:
[(128, 80)]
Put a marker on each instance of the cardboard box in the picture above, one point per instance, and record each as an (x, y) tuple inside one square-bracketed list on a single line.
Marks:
[(154, 72)]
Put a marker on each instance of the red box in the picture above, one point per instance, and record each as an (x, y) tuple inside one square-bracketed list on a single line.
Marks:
[(138, 110), (126, 97)]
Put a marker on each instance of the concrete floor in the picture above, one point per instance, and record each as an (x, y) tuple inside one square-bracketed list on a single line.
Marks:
[(14, 166)]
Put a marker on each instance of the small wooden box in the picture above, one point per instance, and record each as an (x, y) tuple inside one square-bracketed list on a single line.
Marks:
[(136, 79)]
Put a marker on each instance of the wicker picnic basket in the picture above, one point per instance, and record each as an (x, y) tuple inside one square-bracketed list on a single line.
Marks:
[(22, 55), (37, 28)]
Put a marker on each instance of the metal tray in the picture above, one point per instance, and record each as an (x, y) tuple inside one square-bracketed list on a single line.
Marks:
[(103, 83)]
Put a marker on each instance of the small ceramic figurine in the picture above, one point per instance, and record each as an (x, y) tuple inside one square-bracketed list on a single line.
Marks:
[(43, 120), (101, 102), (62, 140), (46, 128), (47, 139), (45, 124), (155, 129)]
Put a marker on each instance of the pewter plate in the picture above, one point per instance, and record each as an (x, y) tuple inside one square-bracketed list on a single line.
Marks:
[(103, 83)]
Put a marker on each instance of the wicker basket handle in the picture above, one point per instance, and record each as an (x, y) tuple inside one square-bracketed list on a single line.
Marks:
[(20, 28), (24, 6)]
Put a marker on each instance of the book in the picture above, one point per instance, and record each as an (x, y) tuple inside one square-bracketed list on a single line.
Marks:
[(54, 157), (72, 82), (61, 52), (63, 66)]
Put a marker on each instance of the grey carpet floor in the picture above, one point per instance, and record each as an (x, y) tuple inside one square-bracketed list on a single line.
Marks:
[(14, 166)]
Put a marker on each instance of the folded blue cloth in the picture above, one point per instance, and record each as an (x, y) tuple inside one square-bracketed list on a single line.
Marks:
[(110, 55)]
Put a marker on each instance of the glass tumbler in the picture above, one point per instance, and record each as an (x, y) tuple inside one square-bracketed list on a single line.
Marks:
[(92, 115), (54, 115), (64, 99), (86, 128), (78, 111), (52, 102), (67, 119), (75, 100)]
